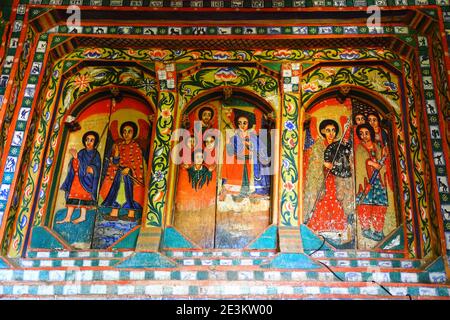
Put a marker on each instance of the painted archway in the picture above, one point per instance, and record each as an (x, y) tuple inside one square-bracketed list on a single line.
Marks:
[(96, 203), (349, 196), (225, 200)]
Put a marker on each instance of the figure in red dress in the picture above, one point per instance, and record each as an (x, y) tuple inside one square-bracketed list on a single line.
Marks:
[(125, 168), (326, 214)]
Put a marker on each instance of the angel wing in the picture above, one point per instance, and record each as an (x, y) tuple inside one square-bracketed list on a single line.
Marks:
[(114, 130), (144, 137)]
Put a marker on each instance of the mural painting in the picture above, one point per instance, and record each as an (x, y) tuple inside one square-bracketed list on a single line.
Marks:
[(195, 202), (348, 188), (103, 189), (229, 174)]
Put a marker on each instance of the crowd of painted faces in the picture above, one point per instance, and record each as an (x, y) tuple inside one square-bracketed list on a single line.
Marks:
[(329, 200)]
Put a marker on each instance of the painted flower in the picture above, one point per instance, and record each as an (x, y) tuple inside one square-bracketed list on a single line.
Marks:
[(355, 69), (82, 81), (166, 113), (309, 87), (195, 55), (147, 84), (158, 175), (221, 55), (49, 94), (390, 85), (28, 191), (177, 52), (92, 53), (286, 164), (292, 143), (225, 74), (329, 71), (289, 125), (158, 54), (131, 52), (187, 91), (289, 206), (56, 74), (282, 53), (241, 56), (306, 53), (290, 108), (350, 55), (288, 186), (404, 179), (23, 221), (418, 187), (16, 243), (262, 81)]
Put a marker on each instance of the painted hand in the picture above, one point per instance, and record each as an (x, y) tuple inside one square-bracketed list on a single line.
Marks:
[(374, 164), (328, 165)]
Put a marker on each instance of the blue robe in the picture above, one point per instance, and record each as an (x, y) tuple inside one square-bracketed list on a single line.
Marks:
[(259, 159), (89, 181)]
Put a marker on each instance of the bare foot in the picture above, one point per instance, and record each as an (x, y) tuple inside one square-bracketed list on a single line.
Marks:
[(63, 221), (79, 220)]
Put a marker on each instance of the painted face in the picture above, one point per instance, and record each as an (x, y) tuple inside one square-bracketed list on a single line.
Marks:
[(198, 158), (373, 121), (330, 132), (206, 116), (364, 134), (89, 141), (127, 133), (210, 142), (359, 119), (243, 123)]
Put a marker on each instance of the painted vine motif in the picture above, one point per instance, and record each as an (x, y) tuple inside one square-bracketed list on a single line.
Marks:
[(19, 189), (160, 164), (192, 55), (210, 78), (417, 152), (374, 78), (289, 155)]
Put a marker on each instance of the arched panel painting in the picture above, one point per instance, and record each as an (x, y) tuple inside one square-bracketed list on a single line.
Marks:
[(348, 195), (223, 194), (102, 174)]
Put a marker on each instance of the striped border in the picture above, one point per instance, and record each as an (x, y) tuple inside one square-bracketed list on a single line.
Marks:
[(236, 4)]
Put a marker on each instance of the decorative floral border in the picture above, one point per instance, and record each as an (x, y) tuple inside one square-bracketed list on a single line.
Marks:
[(276, 56)]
